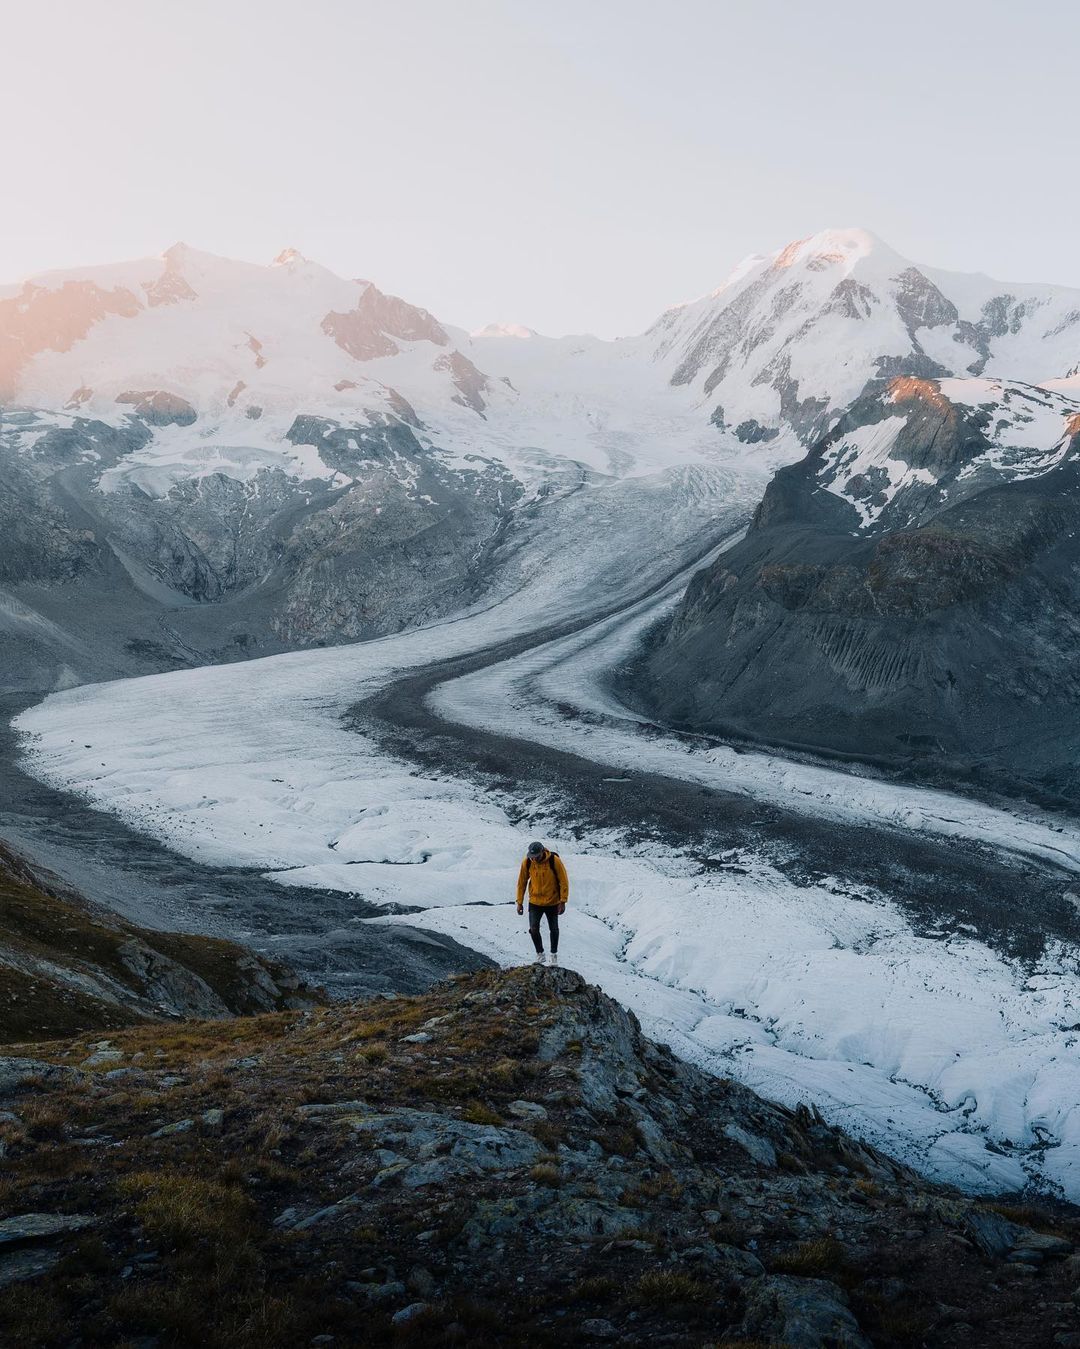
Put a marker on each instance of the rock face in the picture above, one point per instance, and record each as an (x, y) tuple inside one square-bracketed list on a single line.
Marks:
[(504, 1160), (369, 330), (112, 563), (908, 594), (801, 1313)]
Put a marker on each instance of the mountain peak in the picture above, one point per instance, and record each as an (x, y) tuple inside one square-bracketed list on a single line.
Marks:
[(849, 245), (287, 256)]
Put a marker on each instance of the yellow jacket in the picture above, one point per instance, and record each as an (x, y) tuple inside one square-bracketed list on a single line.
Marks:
[(545, 879)]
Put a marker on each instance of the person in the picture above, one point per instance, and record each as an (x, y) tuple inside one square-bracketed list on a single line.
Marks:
[(543, 875)]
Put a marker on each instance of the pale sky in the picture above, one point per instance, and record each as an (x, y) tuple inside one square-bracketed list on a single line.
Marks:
[(573, 165)]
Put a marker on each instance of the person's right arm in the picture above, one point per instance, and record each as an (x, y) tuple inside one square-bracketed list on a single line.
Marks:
[(523, 879)]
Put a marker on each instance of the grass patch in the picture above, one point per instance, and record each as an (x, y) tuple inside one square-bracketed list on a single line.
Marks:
[(478, 1113), (664, 1288), (186, 1211), (818, 1259), (646, 1193), (47, 1118), (547, 1134), (618, 1142), (893, 1322), (545, 1173), (190, 1311)]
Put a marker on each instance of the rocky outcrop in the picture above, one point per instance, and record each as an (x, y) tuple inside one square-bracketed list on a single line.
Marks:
[(503, 1160), (369, 330), (471, 385), (802, 1314), (157, 407)]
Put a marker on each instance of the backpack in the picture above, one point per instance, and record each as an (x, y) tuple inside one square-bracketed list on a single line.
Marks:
[(554, 871)]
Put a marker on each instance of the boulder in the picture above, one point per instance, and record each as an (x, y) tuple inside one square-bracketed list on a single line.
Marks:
[(17, 1073), (801, 1314)]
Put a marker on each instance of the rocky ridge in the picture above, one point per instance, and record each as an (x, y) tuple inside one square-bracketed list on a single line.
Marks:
[(505, 1160), (907, 594)]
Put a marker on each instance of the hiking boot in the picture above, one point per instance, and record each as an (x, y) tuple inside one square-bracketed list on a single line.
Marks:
[(553, 959), (540, 958)]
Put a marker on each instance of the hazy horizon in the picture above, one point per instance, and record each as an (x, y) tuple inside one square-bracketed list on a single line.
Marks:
[(569, 171)]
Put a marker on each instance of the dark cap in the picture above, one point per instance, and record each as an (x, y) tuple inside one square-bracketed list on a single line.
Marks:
[(536, 850)]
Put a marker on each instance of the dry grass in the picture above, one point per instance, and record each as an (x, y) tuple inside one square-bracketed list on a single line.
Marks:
[(185, 1210), (818, 1259), (546, 1173), (596, 1288), (661, 1186), (618, 1142), (662, 1288), (476, 1112), (506, 1071), (211, 1314), (46, 1118)]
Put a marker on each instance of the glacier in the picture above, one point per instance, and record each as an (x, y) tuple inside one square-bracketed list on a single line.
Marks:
[(633, 463), (942, 1050)]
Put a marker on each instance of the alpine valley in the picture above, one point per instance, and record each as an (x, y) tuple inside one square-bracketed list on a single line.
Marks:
[(315, 608)]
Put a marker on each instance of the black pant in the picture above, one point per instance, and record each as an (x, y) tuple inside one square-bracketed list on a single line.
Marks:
[(536, 912)]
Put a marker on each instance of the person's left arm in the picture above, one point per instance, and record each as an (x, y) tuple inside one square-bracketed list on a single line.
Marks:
[(564, 884)]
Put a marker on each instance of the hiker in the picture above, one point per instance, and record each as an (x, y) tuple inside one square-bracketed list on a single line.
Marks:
[(543, 875)]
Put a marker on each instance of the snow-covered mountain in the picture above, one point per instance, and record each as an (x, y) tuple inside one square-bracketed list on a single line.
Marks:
[(790, 339), (223, 355), (203, 458), (901, 456), (234, 351), (217, 334)]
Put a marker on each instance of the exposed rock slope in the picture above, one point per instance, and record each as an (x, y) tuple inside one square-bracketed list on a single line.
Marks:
[(908, 592), (108, 569), (67, 966), (503, 1161)]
